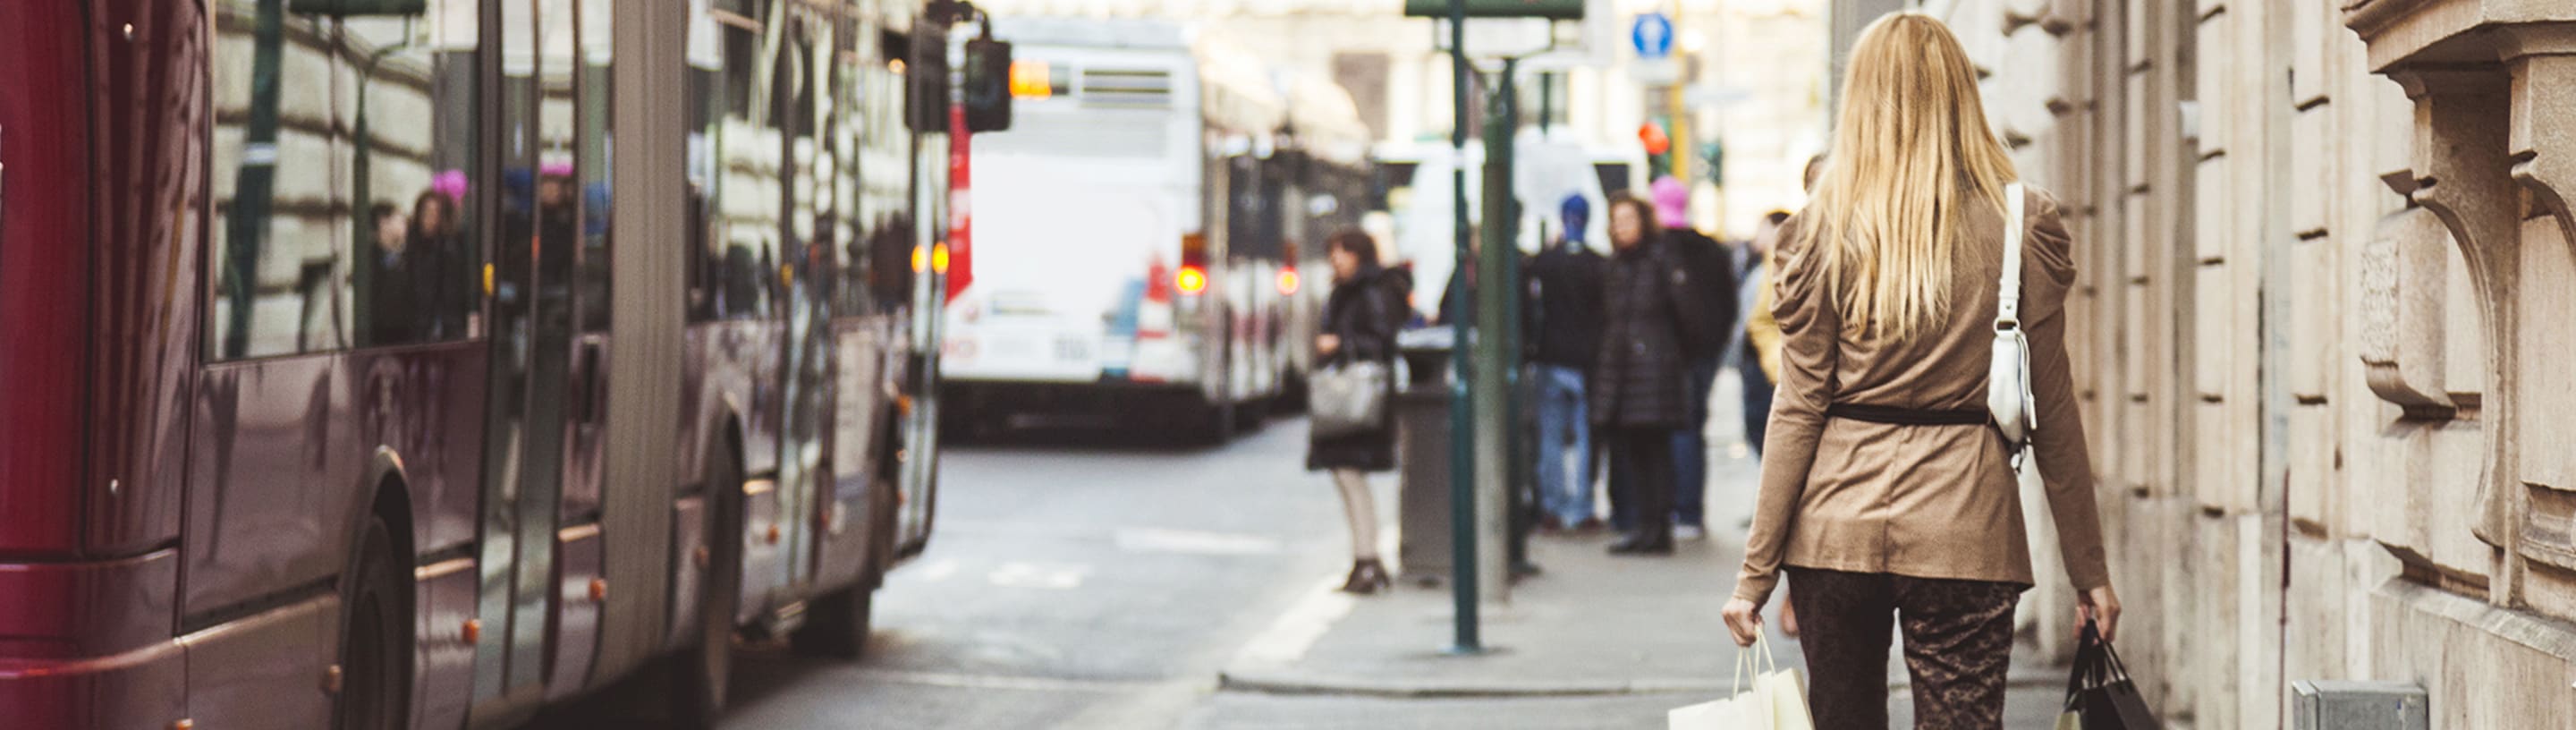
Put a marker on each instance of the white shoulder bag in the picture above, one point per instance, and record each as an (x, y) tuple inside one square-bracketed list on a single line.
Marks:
[(2008, 392)]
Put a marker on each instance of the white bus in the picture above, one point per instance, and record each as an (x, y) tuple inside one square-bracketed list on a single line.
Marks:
[(1151, 202)]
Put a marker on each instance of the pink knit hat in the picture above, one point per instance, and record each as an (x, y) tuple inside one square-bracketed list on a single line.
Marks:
[(1672, 202)]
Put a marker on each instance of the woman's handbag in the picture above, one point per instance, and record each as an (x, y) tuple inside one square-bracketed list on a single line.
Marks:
[(2099, 695), (2008, 389), (1347, 398), (1777, 701)]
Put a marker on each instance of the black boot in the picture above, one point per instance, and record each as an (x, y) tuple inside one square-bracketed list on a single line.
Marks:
[(1647, 541), (1367, 576)]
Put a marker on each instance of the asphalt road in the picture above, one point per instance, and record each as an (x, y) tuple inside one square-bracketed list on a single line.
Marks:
[(1086, 578), (1076, 578)]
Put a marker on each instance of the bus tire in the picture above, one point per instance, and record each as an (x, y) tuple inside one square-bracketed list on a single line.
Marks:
[(702, 674), (375, 642), (1212, 423), (841, 621)]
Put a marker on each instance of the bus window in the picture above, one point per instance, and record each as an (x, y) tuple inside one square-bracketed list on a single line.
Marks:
[(850, 295), (416, 273), (738, 157), (274, 236), (598, 61)]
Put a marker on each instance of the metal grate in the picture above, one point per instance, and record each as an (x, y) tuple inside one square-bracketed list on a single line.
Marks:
[(1115, 87)]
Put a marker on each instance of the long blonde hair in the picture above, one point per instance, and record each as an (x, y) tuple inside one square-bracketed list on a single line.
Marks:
[(1911, 152)]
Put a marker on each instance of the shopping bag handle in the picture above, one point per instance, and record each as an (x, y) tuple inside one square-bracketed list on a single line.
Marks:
[(1746, 658), (2097, 663)]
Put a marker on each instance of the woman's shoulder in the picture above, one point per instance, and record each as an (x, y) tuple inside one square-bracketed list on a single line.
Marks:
[(2044, 232)]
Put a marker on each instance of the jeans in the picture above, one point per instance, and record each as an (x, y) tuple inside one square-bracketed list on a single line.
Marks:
[(1564, 445), (1641, 464), (1757, 403), (1690, 448)]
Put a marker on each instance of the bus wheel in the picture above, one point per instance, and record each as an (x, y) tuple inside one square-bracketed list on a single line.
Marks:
[(375, 649), (840, 622), (703, 672), (1250, 416), (1216, 423)]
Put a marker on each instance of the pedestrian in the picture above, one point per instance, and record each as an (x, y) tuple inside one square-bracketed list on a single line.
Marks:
[(1566, 284), (1361, 318), (1712, 265), (1885, 492), (1757, 343), (1640, 378)]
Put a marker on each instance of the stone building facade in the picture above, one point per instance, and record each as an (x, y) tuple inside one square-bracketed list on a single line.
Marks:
[(2329, 355)]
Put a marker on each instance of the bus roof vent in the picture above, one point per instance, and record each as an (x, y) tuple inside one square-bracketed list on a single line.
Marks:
[(1127, 87)]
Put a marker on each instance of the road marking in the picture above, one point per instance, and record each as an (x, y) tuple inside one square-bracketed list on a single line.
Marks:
[(1050, 576), (1296, 630), (995, 681), (937, 571), (1155, 540)]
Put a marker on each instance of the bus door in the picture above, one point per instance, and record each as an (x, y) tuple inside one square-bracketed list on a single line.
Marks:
[(533, 290), (807, 332)]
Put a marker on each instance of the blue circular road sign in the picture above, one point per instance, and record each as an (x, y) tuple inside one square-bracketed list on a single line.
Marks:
[(1652, 35)]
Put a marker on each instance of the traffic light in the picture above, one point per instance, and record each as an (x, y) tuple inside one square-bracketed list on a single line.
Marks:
[(1713, 156), (1549, 9), (925, 71), (988, 85)]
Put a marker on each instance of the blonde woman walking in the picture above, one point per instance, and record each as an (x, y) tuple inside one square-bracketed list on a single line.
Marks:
[(1886, 494)]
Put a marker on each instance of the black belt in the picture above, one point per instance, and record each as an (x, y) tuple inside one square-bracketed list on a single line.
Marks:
[(1909, 416)]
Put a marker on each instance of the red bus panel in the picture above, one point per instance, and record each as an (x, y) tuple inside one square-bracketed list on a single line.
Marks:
[(44, 260)]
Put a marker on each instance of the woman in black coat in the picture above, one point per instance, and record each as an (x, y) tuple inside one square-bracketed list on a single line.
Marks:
[(1640, 387), (1360, 321)]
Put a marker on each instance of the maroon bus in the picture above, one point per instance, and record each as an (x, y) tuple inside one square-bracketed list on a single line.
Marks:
[(417, 363)]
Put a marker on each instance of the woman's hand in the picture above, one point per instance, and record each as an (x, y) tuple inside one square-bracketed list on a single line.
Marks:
[(1744, 620), (2101, 606), (1788, 617), (1326, 344)]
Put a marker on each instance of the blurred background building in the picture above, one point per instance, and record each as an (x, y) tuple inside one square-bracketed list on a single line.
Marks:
[(2327, 275), (1755, 73)]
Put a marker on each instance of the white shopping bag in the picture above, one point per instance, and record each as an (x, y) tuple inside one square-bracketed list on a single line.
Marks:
[(1776, 701)]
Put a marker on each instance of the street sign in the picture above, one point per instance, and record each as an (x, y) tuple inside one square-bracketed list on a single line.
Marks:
[(1550, 9), (1664, 71), (1652, 36)]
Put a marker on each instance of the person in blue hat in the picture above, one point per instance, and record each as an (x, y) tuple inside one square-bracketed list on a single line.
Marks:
[(1565, 295)]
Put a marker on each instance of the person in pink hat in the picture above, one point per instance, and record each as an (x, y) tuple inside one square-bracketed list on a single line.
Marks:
[(1711, 264)]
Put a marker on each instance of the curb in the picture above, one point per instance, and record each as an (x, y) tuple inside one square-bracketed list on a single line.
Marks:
[(1289, 683), (1294, 683)]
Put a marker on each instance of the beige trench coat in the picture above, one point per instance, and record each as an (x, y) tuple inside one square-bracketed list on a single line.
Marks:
[(1935, 501)]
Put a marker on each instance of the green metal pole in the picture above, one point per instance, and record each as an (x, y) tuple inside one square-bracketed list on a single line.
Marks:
[(1462, 442), (1498, 303)]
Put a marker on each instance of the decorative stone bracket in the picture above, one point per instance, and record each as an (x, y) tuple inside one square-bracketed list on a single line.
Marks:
[(2494, 86)]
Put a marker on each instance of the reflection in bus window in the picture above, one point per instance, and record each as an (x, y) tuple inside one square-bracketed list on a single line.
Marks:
[(595, 97), (411, 138), (274, 238)]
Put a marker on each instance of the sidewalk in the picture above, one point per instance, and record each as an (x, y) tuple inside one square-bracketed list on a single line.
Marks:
[(1591, 626)]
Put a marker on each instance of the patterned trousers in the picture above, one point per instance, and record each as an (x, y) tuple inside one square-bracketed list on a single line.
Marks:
[(1958, 642)]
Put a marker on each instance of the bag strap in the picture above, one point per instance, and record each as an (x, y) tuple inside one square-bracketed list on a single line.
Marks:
[(2008, 297), (2087, 656), (1755, 658)]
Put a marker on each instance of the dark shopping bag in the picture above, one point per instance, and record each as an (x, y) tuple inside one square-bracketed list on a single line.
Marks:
[(2099, 695)]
